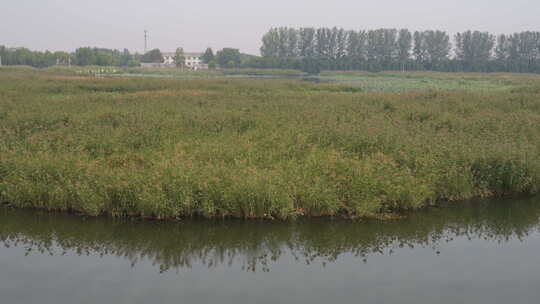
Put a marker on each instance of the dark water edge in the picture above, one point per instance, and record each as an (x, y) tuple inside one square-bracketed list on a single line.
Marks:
[(475, 252)]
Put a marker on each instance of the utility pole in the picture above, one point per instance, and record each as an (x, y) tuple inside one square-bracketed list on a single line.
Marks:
[(145, 41)]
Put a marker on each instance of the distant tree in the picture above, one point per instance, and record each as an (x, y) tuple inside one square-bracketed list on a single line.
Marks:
[(340, 43), (524, 52), (126, 58), (3, 55), (373, 47), (437, 48), (381, 48), (389, 47), (322, 46), (283, 39), (270, 43), (179, 58), (404, 45), (226, 55), (104, 57), (306, 42), (419, 48), (357, 45), (501, 51), (60, 58), (85, 56), (353, 42), (152, 56), (474, 49), (292, 42), (208, 55)]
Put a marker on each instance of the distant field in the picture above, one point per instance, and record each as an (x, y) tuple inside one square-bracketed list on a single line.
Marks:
[(383, 81), (263, 144), (417, 81)]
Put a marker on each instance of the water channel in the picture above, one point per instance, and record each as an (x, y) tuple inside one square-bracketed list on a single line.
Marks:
[(473, 252)]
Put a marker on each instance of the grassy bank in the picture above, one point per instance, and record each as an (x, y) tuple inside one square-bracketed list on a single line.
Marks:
[(261, 148)]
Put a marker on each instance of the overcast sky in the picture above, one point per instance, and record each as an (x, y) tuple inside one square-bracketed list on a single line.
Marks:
[(194, 25)]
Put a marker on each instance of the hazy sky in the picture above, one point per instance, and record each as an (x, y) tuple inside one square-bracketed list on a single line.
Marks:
[(194, 25)]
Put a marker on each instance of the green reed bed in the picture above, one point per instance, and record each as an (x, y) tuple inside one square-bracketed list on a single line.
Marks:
[(258, 148)]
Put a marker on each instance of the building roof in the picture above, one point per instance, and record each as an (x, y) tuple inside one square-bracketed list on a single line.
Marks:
[(186, 54)]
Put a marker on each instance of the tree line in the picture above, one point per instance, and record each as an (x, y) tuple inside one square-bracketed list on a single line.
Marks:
[(23, 56), (314, 49), (81, 56)]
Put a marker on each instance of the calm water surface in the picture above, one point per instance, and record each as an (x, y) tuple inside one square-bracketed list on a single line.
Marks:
[(480, 252)]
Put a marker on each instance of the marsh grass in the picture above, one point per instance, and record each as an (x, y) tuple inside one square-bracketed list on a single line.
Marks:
[(249, 148)]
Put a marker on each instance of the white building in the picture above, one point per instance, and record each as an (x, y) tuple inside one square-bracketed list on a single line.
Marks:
[(168, 58), (192, 61)]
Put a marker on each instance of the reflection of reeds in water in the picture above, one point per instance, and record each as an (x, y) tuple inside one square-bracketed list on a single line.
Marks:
[(255, 245)]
